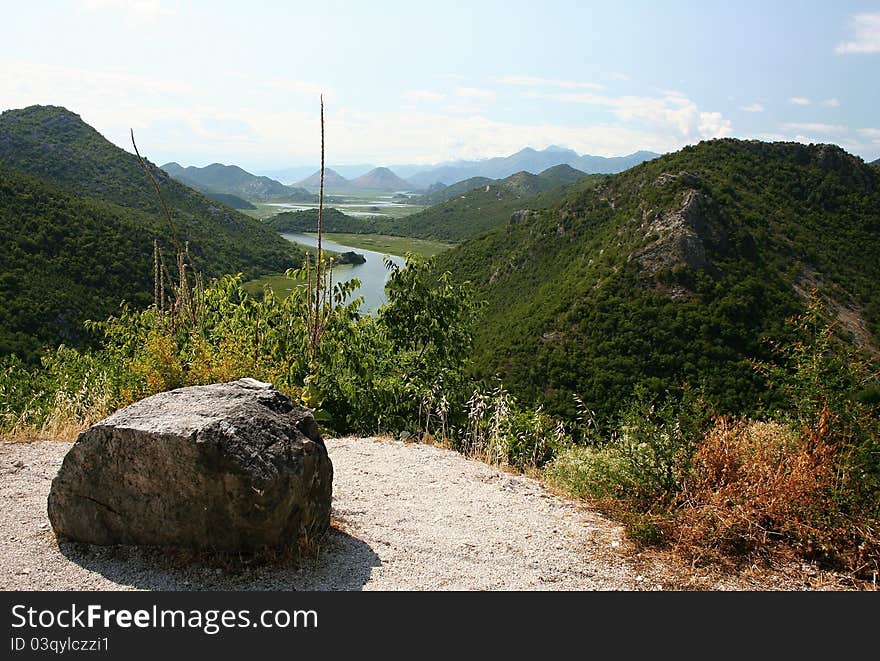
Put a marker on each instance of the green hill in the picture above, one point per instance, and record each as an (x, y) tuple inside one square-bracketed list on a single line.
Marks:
[(561, 174), (674, 271), (232, 201), (440, 192), (523, 183), (232, 180), (381, 179), (79, 217), (470, 214), (307, 221)]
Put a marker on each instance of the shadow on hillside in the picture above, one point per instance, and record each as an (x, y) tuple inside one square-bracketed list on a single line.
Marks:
[(343, 562)]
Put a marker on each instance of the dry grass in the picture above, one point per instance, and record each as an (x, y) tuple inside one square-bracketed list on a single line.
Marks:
[(758, 488)]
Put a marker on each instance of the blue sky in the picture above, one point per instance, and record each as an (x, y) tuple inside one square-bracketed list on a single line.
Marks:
[(422, 82)]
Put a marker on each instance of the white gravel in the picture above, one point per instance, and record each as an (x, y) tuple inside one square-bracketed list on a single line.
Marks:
[(405, 517)]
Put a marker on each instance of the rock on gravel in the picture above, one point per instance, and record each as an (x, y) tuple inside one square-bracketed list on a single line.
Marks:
[(227, 467), (405, 517)]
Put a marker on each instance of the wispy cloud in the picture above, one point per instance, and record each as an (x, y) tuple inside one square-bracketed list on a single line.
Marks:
[(800, 101), (300, 87), (672, 112), (831, 103), (476, 94), (423, 96), (864, 35), (814, 127), (753, 107), (535, 81), (135, 13)]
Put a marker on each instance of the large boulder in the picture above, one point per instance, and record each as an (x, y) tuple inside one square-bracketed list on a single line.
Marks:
[(229, 466)]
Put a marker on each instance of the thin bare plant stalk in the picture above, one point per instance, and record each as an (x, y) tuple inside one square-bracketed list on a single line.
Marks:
[(321, 198), (158, 192), (156, 274), (330, 286)]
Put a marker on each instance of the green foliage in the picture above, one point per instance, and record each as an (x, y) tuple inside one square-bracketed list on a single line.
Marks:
[(827, 390), (306, 220), (579, 299), (645, 459), (79, 217), (805, 478), (366, 373), (499, 430)]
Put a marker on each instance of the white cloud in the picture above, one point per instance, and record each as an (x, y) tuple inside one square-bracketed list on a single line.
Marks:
[(672, 114), (175, 120), (864, 35), (814, 127), (799, 101), (753, 107), (475, 95), (831, 103), (136, 13), (771, 137), (872, 134), (300, 87), (423, 96), (535, 81)]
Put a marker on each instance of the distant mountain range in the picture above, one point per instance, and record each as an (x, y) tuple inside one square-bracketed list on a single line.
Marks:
[(458, 212), (529, 160), (232, 180), (518, 184), (377, 179), (422, 177)]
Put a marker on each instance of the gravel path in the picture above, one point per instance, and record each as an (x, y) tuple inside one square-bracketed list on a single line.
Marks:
[(405, 517)]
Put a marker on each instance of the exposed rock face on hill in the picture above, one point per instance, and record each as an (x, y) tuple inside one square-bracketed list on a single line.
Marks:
[(231, 466), (681, 236)]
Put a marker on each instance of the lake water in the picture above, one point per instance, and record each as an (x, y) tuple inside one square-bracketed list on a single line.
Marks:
[(371, 273)]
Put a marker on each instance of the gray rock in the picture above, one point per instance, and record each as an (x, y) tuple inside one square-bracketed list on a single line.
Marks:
[(230, 466), (521, 216)]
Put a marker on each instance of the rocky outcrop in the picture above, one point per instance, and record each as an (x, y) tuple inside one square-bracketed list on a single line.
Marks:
[(232, 466), (520, 217), (682, 236)]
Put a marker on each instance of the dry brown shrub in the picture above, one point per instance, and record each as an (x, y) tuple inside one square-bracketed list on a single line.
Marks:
[(758, 488)]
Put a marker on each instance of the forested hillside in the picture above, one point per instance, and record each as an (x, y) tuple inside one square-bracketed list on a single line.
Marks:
[(674, 271), (79, 216)]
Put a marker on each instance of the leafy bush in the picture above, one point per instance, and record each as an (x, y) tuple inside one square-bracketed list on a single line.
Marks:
[(370, 373)]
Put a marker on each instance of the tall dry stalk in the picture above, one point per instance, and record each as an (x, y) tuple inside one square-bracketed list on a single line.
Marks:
[(319, 291), (188, 299)]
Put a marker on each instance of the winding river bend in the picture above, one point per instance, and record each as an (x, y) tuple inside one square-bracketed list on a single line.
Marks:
[(371, 273)]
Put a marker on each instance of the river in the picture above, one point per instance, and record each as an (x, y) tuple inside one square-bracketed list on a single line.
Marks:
[(371, 273)]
